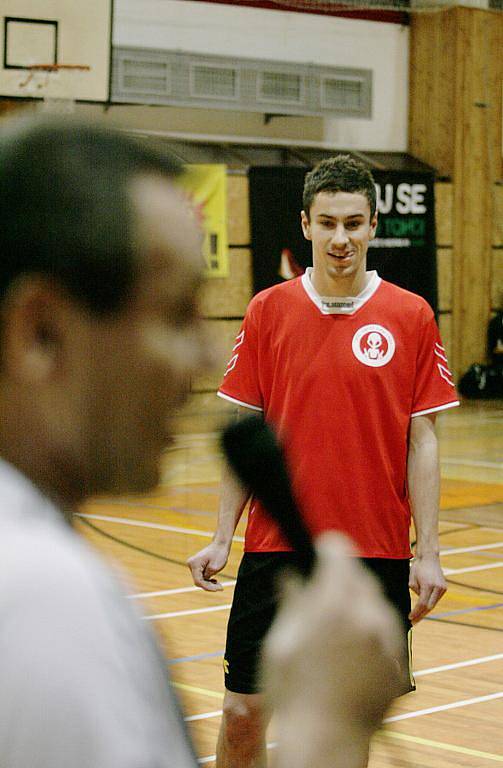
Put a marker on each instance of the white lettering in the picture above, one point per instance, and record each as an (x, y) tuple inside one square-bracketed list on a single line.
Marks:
[(384, 205)]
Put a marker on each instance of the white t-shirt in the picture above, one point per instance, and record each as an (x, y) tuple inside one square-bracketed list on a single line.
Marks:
[(82, 682)]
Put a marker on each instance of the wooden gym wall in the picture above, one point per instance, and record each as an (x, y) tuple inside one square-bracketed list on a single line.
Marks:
[(456, 75)]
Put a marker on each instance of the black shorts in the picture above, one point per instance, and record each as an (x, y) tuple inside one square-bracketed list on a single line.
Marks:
[(254, 607)]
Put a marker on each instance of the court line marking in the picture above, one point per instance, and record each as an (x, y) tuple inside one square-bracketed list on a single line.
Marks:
[(459, 665), (415, 740), (210, 534), (439, 745), (471, 462), (458, 611), (462, 550), (204, 716), (156, 526), (195, 689), (177, 591), (405, 737), (472, 569), (191, 612), (420, 713), (444, 707), (196, 657), (419, 673)]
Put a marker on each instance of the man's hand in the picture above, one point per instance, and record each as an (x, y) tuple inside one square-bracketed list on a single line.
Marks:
[(428, 582), (330, 662), (206, 563)]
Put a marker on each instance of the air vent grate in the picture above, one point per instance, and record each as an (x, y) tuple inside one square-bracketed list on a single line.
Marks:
[(213, 82), (146, 76), (280, 87), (343, 93)]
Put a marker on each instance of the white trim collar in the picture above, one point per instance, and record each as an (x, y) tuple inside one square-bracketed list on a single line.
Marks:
[(340, 305)]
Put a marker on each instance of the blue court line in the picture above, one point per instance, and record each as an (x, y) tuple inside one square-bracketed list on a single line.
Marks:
[(464, 610), (199, 657)]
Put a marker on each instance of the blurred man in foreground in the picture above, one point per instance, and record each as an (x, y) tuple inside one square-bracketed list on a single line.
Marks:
[(99, 335)]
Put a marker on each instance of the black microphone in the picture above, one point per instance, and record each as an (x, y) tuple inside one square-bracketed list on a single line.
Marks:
[(257, 459)]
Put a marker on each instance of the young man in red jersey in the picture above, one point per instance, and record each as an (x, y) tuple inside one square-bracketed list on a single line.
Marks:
[(350, 371)]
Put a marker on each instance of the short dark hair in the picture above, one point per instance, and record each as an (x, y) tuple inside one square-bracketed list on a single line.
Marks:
[(341, 173), (66, 211)]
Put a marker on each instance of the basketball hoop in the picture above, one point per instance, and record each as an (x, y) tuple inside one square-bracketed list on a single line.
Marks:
[(55, 84)]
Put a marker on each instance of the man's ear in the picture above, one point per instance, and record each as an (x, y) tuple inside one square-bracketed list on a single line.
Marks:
[(32, 328), (373, 226), (306, 225)]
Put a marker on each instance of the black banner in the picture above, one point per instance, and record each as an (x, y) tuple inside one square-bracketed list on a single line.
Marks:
[(403, 251)]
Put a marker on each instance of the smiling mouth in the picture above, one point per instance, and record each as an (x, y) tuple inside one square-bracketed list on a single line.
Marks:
[(340, 256)]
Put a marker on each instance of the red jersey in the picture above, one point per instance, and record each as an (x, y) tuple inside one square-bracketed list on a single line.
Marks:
[(339, 379)]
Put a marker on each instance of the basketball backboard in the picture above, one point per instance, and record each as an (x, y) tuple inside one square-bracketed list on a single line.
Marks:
[(60, 32)]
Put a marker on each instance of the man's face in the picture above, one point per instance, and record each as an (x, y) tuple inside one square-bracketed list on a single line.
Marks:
[(340, 228), (138, 363)]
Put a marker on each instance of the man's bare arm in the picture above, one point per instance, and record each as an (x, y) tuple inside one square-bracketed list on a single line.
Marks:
[(213, 558), (426, 576)]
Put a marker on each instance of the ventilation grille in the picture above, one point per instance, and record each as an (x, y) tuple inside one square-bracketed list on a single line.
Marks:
[(210, 82), (280, 88), (347, 93), (184, 79), (146, 76)]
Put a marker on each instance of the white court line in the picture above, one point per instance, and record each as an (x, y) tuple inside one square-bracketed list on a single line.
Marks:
[(459, 665), (472, 463), (177, 591), (408, 715), (462, 550), (418, 713), (157, 526), (204, 716), (472, 569), (173, 614), (419, 673), (444, 707)]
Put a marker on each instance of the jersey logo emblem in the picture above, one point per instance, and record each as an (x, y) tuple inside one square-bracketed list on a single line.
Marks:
[(373, 345)]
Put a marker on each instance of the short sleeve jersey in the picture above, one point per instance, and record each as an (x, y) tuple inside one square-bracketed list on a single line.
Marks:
[(340, 380)]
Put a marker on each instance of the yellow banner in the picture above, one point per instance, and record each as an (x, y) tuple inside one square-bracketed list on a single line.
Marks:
[(207, 188)]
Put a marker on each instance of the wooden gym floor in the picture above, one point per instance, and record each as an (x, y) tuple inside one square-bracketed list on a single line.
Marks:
[(455, 716)]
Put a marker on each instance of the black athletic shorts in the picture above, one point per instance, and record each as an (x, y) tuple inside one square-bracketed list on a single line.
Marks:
[(254, 607)]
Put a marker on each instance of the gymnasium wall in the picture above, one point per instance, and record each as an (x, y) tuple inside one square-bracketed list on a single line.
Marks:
[(225, 299), (208, 28), (455, 125)]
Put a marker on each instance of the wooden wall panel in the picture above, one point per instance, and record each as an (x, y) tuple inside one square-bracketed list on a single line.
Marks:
[(497, 279), (431, 77), (444, 273), (455, 126), (498, 214), (443, 213), (445, 327), (474, 176), (221, 335), (229, 296), (238, 216)]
